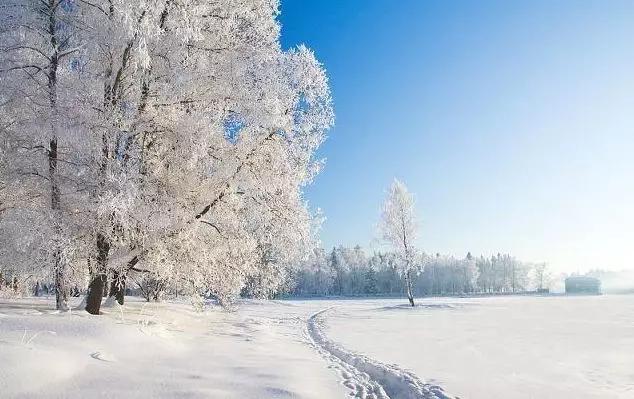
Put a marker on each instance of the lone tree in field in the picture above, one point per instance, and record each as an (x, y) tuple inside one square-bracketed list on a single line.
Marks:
[(398, 226), (541, 276)]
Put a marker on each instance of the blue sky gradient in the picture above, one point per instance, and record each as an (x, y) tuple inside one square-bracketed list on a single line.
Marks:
[(512, 122)]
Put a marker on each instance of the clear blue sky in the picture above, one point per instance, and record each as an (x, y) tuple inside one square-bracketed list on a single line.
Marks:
[(511, 121)]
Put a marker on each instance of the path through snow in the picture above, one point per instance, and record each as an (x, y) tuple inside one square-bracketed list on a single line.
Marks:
[(365, 377)]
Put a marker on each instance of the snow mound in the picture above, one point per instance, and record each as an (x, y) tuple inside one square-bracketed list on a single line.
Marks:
[(368, 378)]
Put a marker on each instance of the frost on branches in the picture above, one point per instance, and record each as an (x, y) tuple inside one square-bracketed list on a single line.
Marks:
[(165, 143)]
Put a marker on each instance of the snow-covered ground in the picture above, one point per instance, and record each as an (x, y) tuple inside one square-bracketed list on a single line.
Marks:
[(161, 351), (512, 347), (502, 347)]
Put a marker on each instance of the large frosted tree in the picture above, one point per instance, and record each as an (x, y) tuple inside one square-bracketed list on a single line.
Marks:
[(184, 136), (399, 228)]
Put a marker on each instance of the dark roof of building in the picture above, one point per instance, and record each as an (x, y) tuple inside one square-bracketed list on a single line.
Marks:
[(584, 279)]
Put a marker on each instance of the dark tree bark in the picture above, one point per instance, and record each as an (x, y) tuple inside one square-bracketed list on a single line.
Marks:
[(117, 286), (106, 289), (408, 283), (51, 8), (61, 291), (98, 283), (94, 295)]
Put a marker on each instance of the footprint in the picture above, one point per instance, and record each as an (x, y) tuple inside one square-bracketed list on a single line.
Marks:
[(365, 377)]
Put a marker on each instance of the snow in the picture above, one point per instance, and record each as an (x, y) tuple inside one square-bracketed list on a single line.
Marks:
[(366, 377), (511, 347), (161, 350), (501, 347)]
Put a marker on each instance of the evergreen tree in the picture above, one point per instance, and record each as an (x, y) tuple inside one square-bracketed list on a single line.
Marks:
[(370, 282)]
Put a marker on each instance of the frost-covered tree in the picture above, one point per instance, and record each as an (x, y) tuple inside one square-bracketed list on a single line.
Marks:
[(469, 274), (185, 136), (358, 270), (389, 279), (446, 275), (339, 269), (502, 273), (225, 154), (371, 284), (41, 111), (541, 276), (314, 277), (399, 228)]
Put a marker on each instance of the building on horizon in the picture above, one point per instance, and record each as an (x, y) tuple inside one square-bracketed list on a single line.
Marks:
[(583, 285)]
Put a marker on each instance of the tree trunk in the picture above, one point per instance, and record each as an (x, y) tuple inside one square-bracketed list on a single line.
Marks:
[(106, 288), (97, 285), (94, 295), (408, 283), (61, 291), (117, 286)]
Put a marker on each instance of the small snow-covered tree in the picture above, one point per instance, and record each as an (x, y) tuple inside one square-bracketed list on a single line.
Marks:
[(314, 278), (469, 274), (339, 270), (399, 228), (370, 287), (541, 276)]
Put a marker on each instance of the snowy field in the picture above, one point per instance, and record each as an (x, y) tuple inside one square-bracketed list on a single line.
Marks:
[(513, 347), (502, 347)]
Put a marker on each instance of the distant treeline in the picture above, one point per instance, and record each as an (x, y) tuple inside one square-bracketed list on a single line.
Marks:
[(350, 272)]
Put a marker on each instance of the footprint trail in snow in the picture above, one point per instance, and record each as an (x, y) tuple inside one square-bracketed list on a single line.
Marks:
[(366, 377)]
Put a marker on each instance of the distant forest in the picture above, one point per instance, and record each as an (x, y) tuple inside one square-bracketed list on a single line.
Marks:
[(350, 272)]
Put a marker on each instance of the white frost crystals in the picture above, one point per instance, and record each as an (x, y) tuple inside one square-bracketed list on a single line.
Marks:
[(366, 377)]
